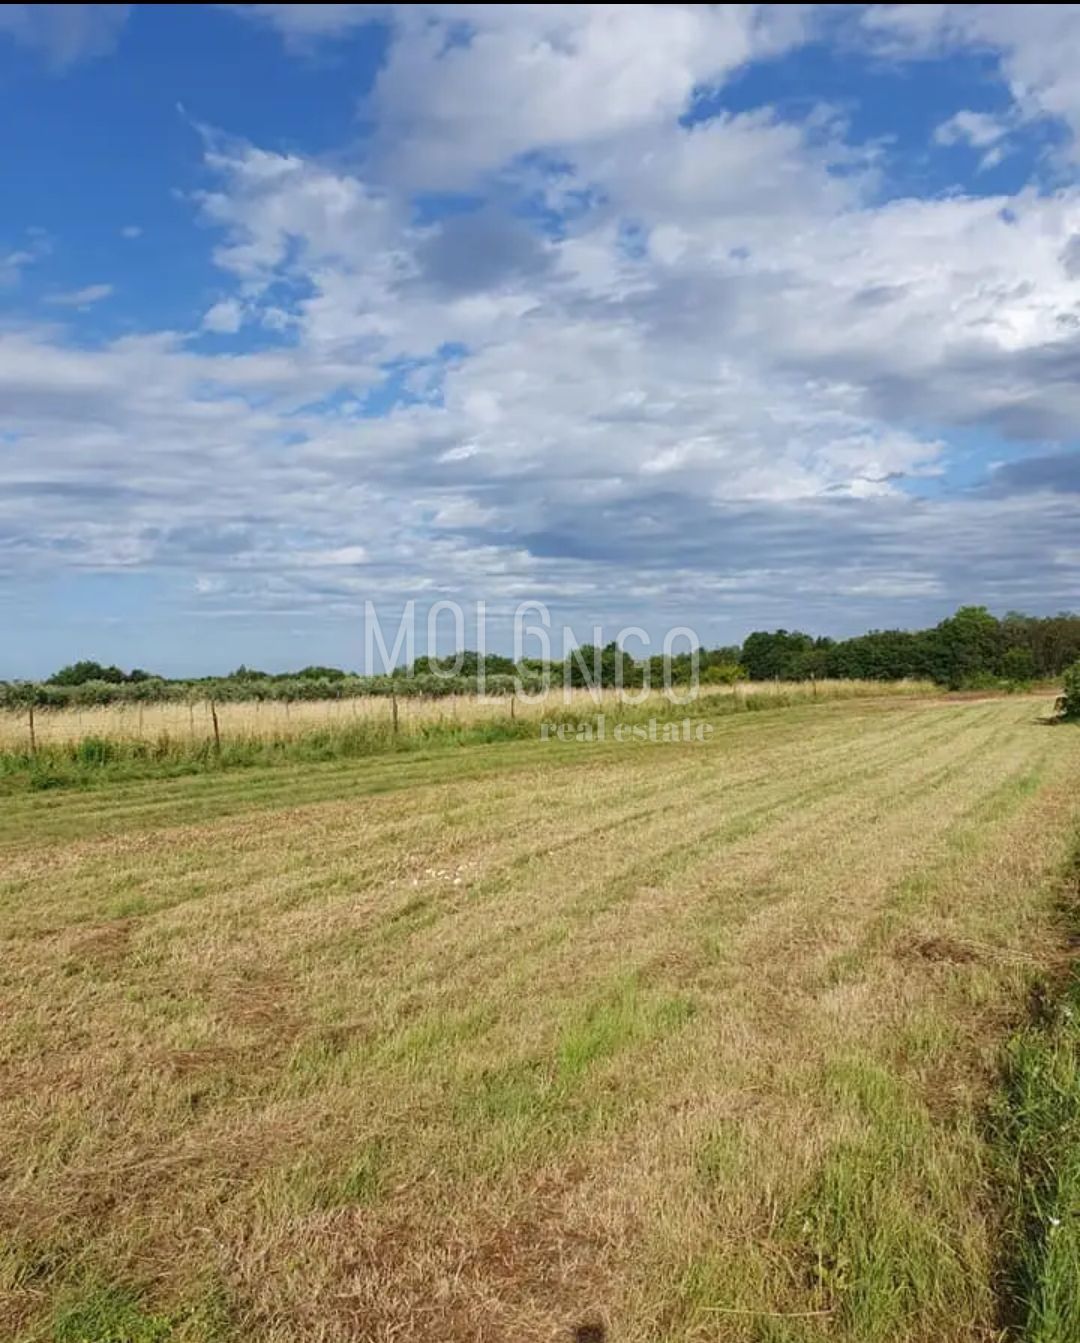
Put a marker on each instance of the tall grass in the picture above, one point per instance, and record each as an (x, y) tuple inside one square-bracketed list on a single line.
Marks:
[(1038, 1127), (79, 746)]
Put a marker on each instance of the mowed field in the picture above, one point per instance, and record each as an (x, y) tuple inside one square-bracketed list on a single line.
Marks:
[(532, 1041)]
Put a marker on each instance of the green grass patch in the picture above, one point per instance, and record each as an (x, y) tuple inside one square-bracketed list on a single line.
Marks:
[(874, 1245), (110, 1315), (1038, 1133), (314, 1184), (120, 1314), (541, 1100)]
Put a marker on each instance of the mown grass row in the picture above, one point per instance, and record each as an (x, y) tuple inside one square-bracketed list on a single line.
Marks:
[(399, 1027)]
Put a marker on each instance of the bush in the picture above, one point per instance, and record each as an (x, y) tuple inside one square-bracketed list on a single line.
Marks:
[(1070, 700), (95, 751), (723, 673)]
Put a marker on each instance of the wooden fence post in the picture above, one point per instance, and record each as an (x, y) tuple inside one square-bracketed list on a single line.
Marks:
[(393, 705), (217, 730), (33, 738)]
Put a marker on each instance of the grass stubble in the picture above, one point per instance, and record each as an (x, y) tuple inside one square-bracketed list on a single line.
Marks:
[(674, 1043)]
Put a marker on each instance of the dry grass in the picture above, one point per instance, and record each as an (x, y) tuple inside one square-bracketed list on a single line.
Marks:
[(251, 720), (678, 1042)]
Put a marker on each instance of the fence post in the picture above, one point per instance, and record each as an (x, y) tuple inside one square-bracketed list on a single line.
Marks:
[(513, 702), (393, 705), (217, 730), (33, 738)]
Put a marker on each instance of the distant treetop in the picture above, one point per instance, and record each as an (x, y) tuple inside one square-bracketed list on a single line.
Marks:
[(78, 673)]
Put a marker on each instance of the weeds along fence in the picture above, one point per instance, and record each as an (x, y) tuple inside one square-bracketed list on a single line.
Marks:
[(160, 730)]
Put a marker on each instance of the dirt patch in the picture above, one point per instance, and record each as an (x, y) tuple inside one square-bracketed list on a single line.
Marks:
[(937, 950), (104, 944)]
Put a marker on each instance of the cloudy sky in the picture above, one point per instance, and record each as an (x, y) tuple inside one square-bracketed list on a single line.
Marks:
[(731, 316)]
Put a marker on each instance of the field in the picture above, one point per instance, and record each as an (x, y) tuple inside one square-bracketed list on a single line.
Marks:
[(520, 1042), (179, 725)]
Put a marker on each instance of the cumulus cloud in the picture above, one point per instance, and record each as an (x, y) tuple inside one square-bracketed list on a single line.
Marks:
[(981, 130), (654, 364), (1037, 47), (466, 89), (225, 317)]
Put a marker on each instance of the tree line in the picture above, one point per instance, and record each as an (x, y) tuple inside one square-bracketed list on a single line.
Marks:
[(970, 649)]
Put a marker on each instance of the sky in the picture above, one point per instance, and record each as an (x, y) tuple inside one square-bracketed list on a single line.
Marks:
[(730, 316)]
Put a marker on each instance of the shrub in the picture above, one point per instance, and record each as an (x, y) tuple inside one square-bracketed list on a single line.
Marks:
[(1018, 665), (724, 673), (1070, 700), (95, 751)]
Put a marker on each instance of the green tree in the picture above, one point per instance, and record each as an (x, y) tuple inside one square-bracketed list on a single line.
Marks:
[(1018, 664), (784, 654), (967, 647), (78, 673)]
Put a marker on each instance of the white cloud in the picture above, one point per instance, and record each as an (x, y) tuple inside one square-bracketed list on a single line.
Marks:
[(268, 200), (981, 130), (85, 297), (308, 21), (225, 317), (729, 378), (64, 35), (131, 231), (14, 263), (552, 77), (346, 557), (1038, 47)]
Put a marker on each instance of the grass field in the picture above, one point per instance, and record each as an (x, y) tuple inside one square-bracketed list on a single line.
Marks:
[(277, 720), (70, 747), (523, 1042)]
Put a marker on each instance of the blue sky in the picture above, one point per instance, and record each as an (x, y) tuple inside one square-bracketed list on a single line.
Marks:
[(722, 316)]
